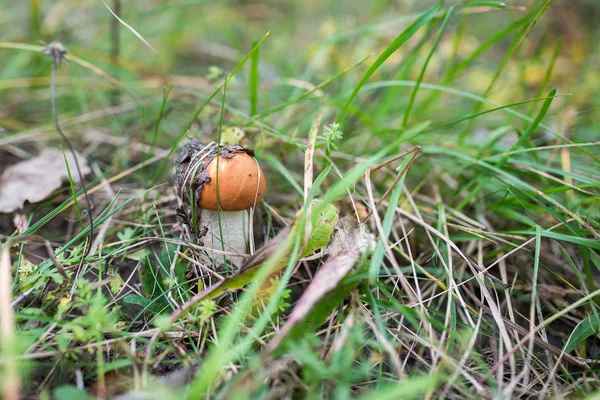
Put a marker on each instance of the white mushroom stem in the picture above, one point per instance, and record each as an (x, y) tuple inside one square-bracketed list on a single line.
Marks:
[(232, 236)]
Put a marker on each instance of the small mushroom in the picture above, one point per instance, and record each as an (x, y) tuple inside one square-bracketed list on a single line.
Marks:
[(217, 191), (236, 183)]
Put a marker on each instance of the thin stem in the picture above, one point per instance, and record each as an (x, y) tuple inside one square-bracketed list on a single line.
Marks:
[(57, 54)]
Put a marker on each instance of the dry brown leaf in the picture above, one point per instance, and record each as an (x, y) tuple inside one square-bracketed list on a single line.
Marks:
[(21, 222), (350, 235), (34, 180), (350, 240)]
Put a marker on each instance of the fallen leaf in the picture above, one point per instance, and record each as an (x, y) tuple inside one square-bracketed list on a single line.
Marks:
[(351, 239), (351, 235), (34, 180), (21, 222), (323, 225)]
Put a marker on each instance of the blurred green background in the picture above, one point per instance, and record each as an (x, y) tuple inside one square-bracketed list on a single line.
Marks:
[(310, 42)]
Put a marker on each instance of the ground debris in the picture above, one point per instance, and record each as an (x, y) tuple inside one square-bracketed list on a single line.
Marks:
[(34, 180)]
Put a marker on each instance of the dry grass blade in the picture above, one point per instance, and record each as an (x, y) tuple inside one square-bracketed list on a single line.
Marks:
[(531, 333), (309, 155), (119, 176), (513, 326), (70, 57), (130, 28), (10, 375), (414, 153), (101, 72), (34, 134)]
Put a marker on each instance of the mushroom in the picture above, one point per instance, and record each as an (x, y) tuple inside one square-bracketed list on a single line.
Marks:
[(218, 186)]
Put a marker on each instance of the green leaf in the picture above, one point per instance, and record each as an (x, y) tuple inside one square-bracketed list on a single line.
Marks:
[(150, 278), (155, 270), (69, 392), (156, 306), (138, 255), (126, 234), (586, 328)]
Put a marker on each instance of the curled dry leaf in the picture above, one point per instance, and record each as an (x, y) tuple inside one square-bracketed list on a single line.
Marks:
[(34, 180)]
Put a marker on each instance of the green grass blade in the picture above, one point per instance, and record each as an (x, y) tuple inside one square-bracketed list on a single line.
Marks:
[(254, 81), (532, 127), (413, 95), (395, 45)]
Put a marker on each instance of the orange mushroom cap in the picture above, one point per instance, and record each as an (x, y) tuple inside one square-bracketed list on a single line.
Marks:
[(241, 183)]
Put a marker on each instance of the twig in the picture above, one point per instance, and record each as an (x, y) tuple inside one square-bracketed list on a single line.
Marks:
[(415, 152)]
